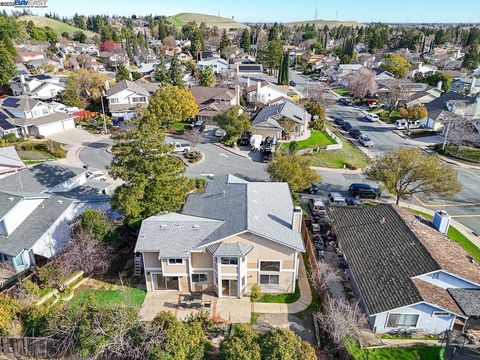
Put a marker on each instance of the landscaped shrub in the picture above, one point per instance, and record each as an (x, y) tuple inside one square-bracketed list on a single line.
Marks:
[(192, 156), (99, 225), (199, 183), (9, 138), (34, 320), (255, 292), (30, 288), (9, 308), (51, 276)]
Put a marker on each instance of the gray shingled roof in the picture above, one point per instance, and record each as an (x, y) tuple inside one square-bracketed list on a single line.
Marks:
[(20, 103), (437, 106), (130, 85), (383, 254), (270, 115), (229, 249), (34, 226), (7, 203), (9, 158), (467, 299)]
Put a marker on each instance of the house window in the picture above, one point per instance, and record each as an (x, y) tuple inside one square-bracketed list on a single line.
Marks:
[(137, 99), (175, 261), (440, 313), (45, 111), (270, 266), (269, 279), (113, 100), (229, 261), (199, 278), (53, 92), (395, 320)]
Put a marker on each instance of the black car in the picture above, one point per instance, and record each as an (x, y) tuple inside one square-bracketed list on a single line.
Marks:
[(292, 83), (346, 126), (345, 101), (339, 121), (313, 189), (245, 138), (363, 191), (267, 154), (355, 133), (199, 125), (353, 201)]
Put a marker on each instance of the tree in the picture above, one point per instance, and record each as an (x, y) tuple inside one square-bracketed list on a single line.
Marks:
[(71, 95), (283, 75), (318, 114), (242, 344), (362, 83), (461, 129), (153, 181), (79, 36), (393, 95), (396, 64), (161, 73), (245, 40), (7, 68), (295, 170), (207, 77), (9, 308), (171, 104), (407, 172), (194, 137), (225, 43), (98, 225), (435, 79), (287, 124), (270, 55), (284, 344), (109, 45), (176, 72), (89, 83), (471, 60), (234, 122), (122, 73), (413, 113)]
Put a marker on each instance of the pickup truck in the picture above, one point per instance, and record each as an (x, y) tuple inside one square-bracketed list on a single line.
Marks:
[(181, 147)]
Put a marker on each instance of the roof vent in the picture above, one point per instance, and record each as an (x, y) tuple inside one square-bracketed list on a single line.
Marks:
[(60, 201), (163, 226), (383, 221), (11, 198), (196, 226)]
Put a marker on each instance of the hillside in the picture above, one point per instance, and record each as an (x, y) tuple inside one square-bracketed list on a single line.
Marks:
[(329, 23), (211, 20), (57, 26)]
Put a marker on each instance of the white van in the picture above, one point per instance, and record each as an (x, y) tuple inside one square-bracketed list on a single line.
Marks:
[(402, 124)]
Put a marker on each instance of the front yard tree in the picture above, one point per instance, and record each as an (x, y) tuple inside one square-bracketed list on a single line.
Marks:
[(283, 75), (396, 64), (161, 73), (245, 43), (234, 122), (175, 72), (407, 172), (295, 170), (153, 181), (471, 60), (71, 95), (413, 113), (7, 69), (171, 104), (242, 344), (122, 73), (207, 77), (393, 95), (285, 344), (225, 43), (362, 83), (270, 55)]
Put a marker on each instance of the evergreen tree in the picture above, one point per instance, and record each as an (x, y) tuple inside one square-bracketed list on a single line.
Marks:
[(7, 65), (245, 40), (161, 73), (176, 73), (471, 59), (207, 77), (197, 44), (71, 94), (122, 73), (225, 43), (283, 72)]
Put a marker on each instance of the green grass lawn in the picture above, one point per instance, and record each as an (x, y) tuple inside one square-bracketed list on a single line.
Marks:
[(342, 91), (403, 353), (459, 238), (281, 298), (383, 115), (468, 153), (56, 25), (349, 155), (108, 298), (317, 138), (34, 156)]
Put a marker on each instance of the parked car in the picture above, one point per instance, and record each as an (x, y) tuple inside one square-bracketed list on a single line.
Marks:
[(353, 201), (313, 189), (181, 147), (345, 101), (245, 138), (346, 126), (317, 207), (267, 154), (96, 175), (256, 142), (364, 191), (339, 121), (220, 132), (365, 141), (292, 83), (355, 133), (372, 117), (402, 124), (336, 198), (199, 125)]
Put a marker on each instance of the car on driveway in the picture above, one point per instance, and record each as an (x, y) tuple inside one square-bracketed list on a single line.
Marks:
[(372, 117), (292, 83), (96, 175), (245, 138), (365, 141), (345, 101), (355, 133), (364, 191), (339, 121), (181, 147), (220, 132), (336, 198), (199, 125), (346, 126), (313, 189), (317, 207)]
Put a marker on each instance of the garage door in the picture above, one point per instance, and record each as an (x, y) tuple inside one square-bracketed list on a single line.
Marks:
[(267, 132), (68, 124)]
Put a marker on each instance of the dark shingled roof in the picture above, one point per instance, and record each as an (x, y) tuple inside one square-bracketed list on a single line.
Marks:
[(383, 254), (468, 300), (437, 106)]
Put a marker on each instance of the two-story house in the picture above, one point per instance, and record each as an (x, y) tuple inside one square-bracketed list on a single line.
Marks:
[(31, 117), (218, 65), (125, 98), (405, 273), (42, 86), (213, 101), (265, 93), (232, 236)]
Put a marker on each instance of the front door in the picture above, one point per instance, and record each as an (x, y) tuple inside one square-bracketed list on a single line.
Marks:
[(229, 288), (171, 283)]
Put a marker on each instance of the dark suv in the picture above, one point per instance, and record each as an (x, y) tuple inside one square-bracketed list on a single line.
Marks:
[(346, 126), (355, 133), (364, 191)]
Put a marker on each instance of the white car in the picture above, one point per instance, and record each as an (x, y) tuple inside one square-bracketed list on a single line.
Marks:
[(220, 132), (96, 175), (181, 147), (372, 117), (336, 198), (365, 141)]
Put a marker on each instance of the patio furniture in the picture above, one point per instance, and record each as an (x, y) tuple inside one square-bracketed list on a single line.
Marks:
[(197, 296)]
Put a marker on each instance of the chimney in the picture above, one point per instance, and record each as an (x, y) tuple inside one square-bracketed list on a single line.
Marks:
[(439, 85), (259, 85), (248, 82), (22, 79), (297, 219)]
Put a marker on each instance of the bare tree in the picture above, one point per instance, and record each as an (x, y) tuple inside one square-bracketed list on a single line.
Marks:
[(194, 137), (362, 83), (461, 130), (393, 95), (325, 275), (321, 95)]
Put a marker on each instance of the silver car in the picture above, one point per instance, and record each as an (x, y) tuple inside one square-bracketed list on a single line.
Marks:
[(365, 141)]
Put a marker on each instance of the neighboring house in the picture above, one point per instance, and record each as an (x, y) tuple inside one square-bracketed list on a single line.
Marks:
[(421, 69), (446, 107), (467, 85), (26, 56), (415, 93), (267, 122), (344, 70), (218, 65), (86, 49), (113, 59), (10, 162), (36, 208), (213, 101), (247, 69), (244, 58), (89, 62), (209, 54), (31, 117), (124, 98), (43, 86), (225, 240), (382, 74), (264, 92), (404, 272), (185, 56)]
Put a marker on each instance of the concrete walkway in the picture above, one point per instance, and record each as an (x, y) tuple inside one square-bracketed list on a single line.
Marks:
[(299, 305)]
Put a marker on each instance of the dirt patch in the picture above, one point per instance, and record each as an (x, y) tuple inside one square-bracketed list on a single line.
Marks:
[(302, 327)]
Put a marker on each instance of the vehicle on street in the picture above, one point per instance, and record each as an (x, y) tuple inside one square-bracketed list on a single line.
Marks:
[(220, 132), (256, 142), (365, 140), (402, 124), (339, 121), (313, 189), (372, 117), (336, 198), (346, 126), (317, 207), (267, 154), (345, 101), (199, 125), (245, 138), (181, 147), (355, 133), (292, 83), (364, 191), (96, 175)]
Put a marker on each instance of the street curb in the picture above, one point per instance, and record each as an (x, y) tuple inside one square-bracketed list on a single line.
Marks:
[(335, 170), (230, 150)]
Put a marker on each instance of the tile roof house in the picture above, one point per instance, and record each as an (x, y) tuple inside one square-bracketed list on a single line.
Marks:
[(125, 97), (267, 122), (36, 207), (213, 101), (235, 234), (402, 269)]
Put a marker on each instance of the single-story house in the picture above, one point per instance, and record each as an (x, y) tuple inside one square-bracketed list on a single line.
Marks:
[(26, 56), (225, 240)]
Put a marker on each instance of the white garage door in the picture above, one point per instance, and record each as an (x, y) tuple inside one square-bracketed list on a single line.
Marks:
[(56, 127)]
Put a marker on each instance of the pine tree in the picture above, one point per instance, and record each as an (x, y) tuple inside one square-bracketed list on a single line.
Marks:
[(176, 73), (207, 77), (161, 73), (245, 41), (71, 94), (224, 43), (122, 73)]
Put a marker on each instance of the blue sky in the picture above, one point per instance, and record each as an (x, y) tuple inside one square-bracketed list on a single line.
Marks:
[(284, 10)]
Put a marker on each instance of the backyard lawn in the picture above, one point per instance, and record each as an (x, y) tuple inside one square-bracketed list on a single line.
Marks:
[(108, 298), (280, 298), (404, 353), (342, 91), (317, 139)]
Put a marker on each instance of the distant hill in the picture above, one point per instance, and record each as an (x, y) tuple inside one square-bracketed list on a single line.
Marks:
[(211, 21), (57, 26), (329, 23)]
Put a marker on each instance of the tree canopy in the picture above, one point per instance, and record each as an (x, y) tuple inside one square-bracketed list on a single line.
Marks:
[(207, 77), (397, 65), (234, 122), (295, 170)]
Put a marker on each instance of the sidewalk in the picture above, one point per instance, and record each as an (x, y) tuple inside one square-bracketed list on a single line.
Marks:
[(299, 305)]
